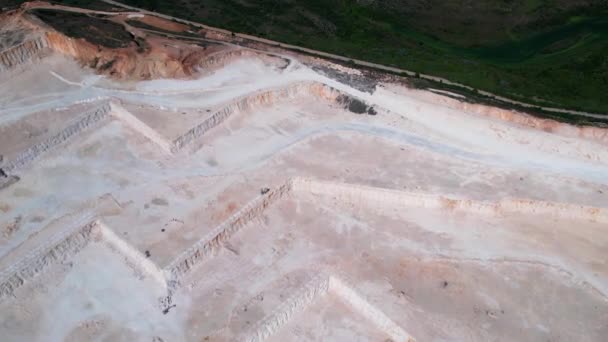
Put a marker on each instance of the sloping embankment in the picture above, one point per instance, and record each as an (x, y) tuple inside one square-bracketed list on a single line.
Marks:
[(61, 246), (320, 286), (64, 238), (352, 298), (139, 126), (85, 121), (269, 98), (295, 303), (131, 255), (22, 53), (223, 58), (67, 244), (213, 240), (364, 195), (591, 133), (244, 104), (360, 195)]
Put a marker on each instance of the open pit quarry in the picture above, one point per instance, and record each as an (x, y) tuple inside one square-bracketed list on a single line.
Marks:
[(190, 185)]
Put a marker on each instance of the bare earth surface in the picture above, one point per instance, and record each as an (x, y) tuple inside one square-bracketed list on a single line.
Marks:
[(255, 200)]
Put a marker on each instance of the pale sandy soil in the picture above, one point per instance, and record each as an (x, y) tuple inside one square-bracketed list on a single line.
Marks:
[(515, 249)]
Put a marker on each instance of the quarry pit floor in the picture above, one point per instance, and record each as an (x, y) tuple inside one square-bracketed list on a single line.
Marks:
[(257, 201)]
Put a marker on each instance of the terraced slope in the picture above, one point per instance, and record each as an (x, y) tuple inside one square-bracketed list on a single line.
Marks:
[(267, 195)]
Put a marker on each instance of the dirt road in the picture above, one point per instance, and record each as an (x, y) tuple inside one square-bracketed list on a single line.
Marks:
[(357, 62)]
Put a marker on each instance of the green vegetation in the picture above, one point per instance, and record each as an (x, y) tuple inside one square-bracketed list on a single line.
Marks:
[(94, 5), (546, 52)]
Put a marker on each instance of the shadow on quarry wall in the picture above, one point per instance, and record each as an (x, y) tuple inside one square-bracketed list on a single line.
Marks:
[(355, 105)]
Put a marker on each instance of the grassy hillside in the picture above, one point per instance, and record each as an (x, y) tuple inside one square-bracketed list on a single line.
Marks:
[(549, 52)]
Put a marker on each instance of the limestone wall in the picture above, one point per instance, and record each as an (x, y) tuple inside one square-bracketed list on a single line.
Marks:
[(84, 122), (350, 297), (297, 302), (59, 247), (223, 58), (320, 286), (264, 98), (132, 256), (213, 240), (22, 53), (139, 126)]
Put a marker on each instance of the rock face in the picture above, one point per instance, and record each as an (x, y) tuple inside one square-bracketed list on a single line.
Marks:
[(361, 195), (598, 134), (86, 121), (22, 53), (143, 59), (123, 63), (274, 195), (264, 98), (140, 57), (222, 58), (592, 133), (214, 240)]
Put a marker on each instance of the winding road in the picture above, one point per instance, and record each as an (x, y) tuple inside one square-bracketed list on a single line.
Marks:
[(357, 62)]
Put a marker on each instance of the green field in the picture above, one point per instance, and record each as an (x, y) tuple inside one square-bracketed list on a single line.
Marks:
[(547, 52)]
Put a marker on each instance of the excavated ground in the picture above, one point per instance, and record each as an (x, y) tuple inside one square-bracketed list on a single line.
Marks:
[(270, 196)]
